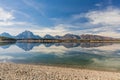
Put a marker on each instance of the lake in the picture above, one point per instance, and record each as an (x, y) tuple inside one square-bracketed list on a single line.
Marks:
[(100, 56)]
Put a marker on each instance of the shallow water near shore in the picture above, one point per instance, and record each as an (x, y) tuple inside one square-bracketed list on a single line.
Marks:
[(100, 56)]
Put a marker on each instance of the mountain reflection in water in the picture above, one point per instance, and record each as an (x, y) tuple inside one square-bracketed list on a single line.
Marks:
[(30, 46), (104, 56)]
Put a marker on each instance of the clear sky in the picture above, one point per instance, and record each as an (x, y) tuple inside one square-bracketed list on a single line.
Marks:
[(58, 17)]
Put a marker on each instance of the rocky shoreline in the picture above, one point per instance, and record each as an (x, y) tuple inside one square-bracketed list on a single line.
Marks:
[(11, 71)]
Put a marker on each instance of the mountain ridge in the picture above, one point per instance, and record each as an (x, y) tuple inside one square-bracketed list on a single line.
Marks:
[(29, 35)]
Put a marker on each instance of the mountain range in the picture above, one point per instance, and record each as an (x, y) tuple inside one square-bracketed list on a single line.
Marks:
[(6, 35), (29, 35)]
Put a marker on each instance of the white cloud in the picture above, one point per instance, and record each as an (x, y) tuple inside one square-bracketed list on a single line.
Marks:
[(5, 16), (57, 30), (110, 34), (109, 19), (109, 16), (6, 23), (102, 22)]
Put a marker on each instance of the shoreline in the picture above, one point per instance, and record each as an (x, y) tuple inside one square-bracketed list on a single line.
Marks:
[(74, 67), (12, 71)]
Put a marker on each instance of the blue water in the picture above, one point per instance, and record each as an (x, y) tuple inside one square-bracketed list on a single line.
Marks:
[(102, 56)]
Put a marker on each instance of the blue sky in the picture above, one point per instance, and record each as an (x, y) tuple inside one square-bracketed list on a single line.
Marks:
[(58, 17)]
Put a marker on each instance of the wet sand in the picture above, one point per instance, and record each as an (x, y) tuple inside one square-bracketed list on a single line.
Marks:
[(11, 71)]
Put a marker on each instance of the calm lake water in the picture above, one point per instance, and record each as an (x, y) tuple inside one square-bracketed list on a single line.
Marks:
[(102, 56)]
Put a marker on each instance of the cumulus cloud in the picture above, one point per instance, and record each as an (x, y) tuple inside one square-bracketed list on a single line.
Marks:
[(102, 22), (5, 16), (108, 19), (56, 30), (109, 16), (7, 20), (110, 34)]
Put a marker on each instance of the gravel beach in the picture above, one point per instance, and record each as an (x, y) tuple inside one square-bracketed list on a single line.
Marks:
[(11, 71)]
